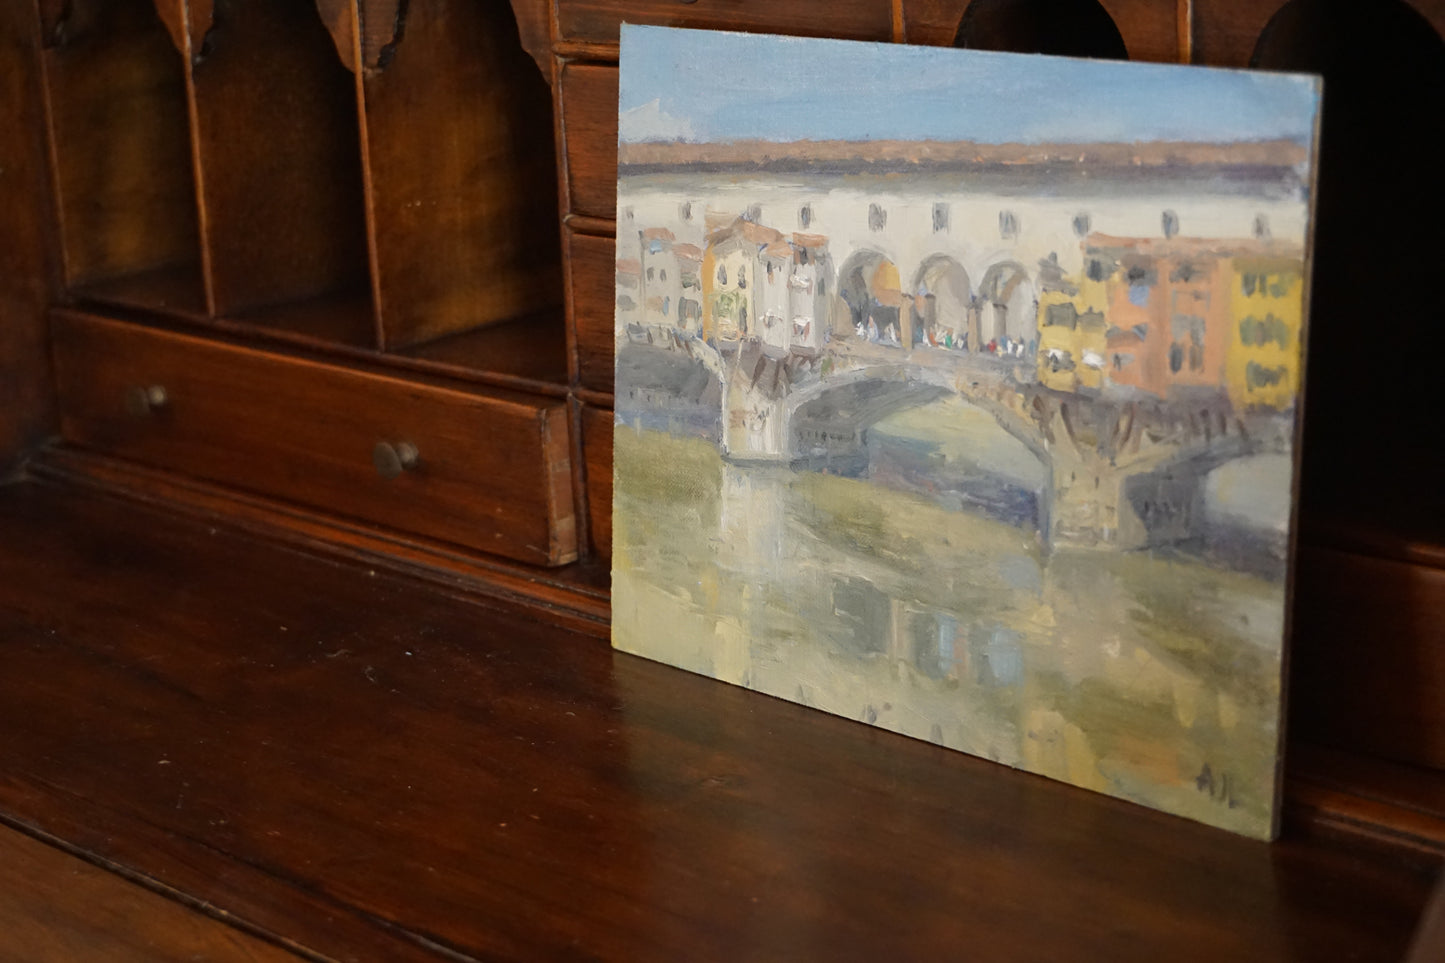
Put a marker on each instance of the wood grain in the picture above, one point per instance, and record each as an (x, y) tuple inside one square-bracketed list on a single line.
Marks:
[(27, 407), (597, 439), (460, 160), (534, 31), (495, 470), (384, 773), (599, 20), (120, 143), (279, 155), (587, 99), (1150, 28), (1365, 675), (592, 287), (56, 908)]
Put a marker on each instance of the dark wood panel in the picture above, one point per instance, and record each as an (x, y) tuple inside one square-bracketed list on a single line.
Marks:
[(534, 30), (27, 410), (588, 100), (1227, 31), (121, 141), (573, 597), (279, 151), (1150, 28), (494, 473), (931, 22), (597, 442), (462, 183), (533, 348), (592, 292), (598, 20), (57, 907), (1367, 667), (383, 773)]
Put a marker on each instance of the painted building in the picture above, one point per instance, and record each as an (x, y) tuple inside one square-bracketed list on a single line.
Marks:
[(1167, 316), (1266, 296)]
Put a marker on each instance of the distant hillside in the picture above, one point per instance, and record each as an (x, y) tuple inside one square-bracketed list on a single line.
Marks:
[(845, 156)]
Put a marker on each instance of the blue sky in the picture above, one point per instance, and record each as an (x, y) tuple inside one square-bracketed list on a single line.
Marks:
[(713, 86)]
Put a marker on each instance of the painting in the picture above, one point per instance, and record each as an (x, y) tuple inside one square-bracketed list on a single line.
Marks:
[(958, 393)]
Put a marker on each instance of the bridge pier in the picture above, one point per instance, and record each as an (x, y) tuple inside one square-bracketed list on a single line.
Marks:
[(755, 426), (1090, 507)]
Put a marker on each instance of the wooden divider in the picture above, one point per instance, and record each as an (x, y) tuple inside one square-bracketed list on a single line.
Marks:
[(278, 159), (120, 145), (461, 195)]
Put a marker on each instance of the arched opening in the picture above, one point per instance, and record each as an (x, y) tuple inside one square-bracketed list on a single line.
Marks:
[(869, 285), (1008, 326), (1067, 28), (941, 296), (959, 454), (1377, 236)]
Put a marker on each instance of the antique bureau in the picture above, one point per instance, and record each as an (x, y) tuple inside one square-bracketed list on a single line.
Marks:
[(338, 276)]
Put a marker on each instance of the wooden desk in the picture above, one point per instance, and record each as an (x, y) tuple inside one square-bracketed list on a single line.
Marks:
[(665, 805), (354, 766)]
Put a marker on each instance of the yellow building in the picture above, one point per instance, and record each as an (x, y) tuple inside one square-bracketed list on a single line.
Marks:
[(1266, 306), (1072, 334)]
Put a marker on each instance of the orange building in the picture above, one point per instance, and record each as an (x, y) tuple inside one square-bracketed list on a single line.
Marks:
[(1177, 316)]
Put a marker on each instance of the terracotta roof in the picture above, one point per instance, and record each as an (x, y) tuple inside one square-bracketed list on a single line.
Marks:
[(1193, 246), (629, 265), (1274, 153)]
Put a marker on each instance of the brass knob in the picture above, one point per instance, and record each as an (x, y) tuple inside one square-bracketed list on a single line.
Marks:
[(144, 400), (393, 459)]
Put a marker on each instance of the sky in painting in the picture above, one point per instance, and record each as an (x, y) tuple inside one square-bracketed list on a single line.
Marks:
[(702, 86)]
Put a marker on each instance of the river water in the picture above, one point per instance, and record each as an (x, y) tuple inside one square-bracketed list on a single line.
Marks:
[(1149, 677)]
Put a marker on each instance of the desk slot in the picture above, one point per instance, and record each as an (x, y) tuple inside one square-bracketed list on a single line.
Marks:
[(120, 138), (278, 149)]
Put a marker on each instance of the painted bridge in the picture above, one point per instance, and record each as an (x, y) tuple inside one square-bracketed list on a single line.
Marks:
[(1124, 470)]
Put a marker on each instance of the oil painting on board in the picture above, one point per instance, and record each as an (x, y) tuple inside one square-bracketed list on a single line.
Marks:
[(958, 392)]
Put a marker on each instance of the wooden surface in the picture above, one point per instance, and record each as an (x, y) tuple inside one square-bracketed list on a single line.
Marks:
[(587, 98), (376, 772), (27, 407), (1357, 683), (494, 472), (598, 20), (57, 908), (597, 444), (120, 142), (572, 597), (592, 290), (458, 132), (279, 159)]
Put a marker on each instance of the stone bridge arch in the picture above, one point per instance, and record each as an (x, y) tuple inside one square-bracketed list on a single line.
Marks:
[(869, 286), (942, 303), (828, 421), (1008, 307)]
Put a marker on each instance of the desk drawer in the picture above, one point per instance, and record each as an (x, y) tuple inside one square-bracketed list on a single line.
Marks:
[(598, 20), (588, 99), (592, 273), (489, 472)]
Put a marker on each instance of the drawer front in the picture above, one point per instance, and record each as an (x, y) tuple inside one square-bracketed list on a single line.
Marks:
[(597, 440), (588, 95), (592, 290), (599, 20), (491, 473)]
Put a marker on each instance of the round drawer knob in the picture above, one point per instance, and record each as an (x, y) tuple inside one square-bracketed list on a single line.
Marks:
[(393, 459), (143, 400)]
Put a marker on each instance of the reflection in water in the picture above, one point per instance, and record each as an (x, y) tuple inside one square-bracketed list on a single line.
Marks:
[(1149, 677)]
